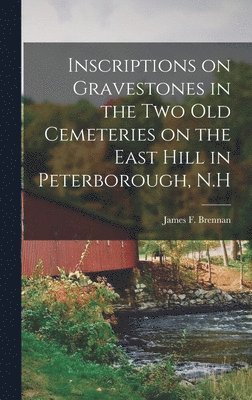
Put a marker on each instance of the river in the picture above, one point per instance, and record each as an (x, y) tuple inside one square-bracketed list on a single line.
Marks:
[(202, 343)]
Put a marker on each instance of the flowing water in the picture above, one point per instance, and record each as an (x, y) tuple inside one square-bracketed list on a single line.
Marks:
[(203, 343)]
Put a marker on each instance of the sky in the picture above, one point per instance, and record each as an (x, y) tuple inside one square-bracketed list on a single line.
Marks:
[(136, 21)]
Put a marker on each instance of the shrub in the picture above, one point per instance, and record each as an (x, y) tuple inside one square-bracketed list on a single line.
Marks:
[(248, 253), (160, 382), (73, 311)]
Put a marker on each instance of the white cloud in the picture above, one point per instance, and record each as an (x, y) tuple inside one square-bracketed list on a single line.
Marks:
[(136, 20)]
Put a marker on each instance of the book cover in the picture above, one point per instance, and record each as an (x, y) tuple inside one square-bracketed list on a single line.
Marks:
[(136, 200)]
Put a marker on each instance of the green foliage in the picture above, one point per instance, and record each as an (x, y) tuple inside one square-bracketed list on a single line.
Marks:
[(233, 386), (160, 382), (248, 254), (98, 156), (48, 372), (72, 311)]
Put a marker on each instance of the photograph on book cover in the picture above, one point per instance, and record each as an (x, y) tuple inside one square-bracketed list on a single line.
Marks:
[(136, 199)]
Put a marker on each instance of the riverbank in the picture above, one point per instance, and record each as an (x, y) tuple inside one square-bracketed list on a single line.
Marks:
[(187, 301), (156, 310), (156, 290), (50, 373)]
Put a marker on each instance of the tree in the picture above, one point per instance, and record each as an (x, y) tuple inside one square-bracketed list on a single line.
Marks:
[(151, 247), (181, 201), (224, 250), (235, 249)]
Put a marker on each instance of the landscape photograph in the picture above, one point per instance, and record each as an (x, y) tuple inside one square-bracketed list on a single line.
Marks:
[(136, 320)]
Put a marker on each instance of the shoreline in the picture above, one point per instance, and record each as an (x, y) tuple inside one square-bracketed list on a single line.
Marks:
[(180, 310)]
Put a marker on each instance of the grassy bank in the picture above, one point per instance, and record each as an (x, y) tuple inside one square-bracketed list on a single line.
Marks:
[(50, 373), (232, 386)]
